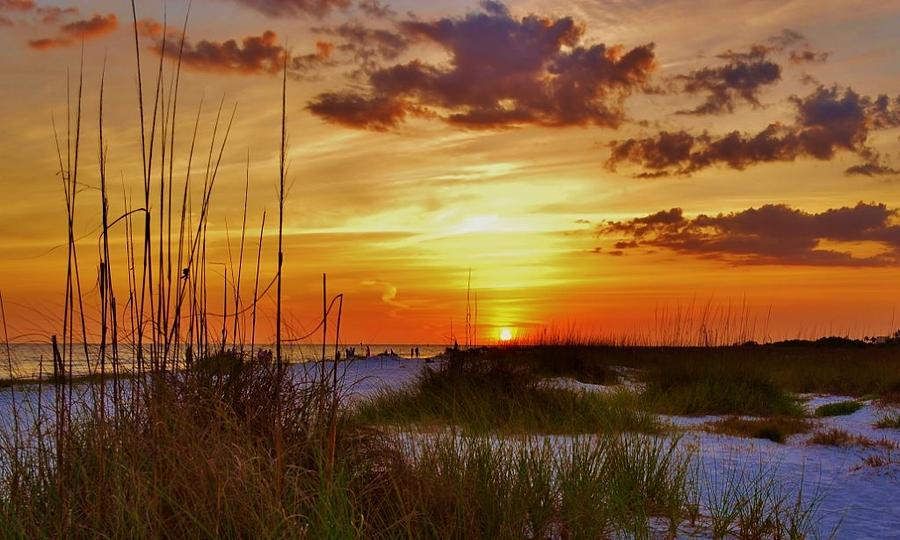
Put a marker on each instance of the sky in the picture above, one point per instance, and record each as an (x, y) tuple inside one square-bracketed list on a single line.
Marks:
[(609, 167)]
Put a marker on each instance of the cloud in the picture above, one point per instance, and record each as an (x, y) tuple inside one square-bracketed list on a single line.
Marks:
[(797, 47), (806, 56), (771, 234), (53, 15), (389, 292), (871, 169), (5, 21), (309, 63), (367, 45), (17, 5), (785, 39), (885, 112), (374, 8), (97, 25), (745, 73), (252, 55), (827, 121), (295, 8), (77, 31), (741, 79), (150, 28), (353, 110), (502, 72)]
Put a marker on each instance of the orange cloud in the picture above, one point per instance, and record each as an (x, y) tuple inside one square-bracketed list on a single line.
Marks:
[(17, 5), (150, 28), (252, 55), (96, 26), (81, 30)]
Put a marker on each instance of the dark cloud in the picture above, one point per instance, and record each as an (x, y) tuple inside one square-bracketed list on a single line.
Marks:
[(353, 110), (871, 169), (252, 55), (5, 21), (742, 78), (375, 8), (77, 31), (295, 8), (798, 48), (827, 121), (745, 73), (806, 56), (885, 112), (502, 72), (367, 45), (786, 38), (772, 234)]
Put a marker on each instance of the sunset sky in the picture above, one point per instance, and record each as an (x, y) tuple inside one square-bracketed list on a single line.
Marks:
[(592, 163)]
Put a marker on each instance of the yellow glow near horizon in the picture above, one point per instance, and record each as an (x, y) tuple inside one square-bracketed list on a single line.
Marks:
[(506, 334)]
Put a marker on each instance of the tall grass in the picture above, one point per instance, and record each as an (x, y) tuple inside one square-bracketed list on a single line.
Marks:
[(159, 448)]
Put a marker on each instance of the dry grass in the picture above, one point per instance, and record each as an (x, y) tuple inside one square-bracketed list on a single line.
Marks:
[(888, 458), (840, 438), (889, 420)]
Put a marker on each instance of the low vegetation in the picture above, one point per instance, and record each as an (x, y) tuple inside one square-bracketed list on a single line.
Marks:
[(206, 454), (840, 438), (830, 366), (776, 429), (841, 408), (686, 388), (889, 420), (485, 395)]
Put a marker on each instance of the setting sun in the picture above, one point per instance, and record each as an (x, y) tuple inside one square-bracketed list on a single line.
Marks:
[(506, 334)]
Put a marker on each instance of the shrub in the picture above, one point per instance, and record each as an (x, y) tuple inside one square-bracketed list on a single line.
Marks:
[(685, 388), (487, 395), (773, 429), (841, 408)]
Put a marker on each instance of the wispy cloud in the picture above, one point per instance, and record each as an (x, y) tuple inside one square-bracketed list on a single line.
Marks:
[(295, 8), (77, 31)]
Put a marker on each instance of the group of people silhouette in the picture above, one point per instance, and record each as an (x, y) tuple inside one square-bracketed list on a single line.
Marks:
[(350, 352)]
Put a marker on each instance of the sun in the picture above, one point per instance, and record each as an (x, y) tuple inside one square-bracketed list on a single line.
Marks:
[(506, 334)]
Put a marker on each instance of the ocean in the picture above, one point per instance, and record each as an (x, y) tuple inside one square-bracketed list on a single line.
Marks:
[(31, 360)]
